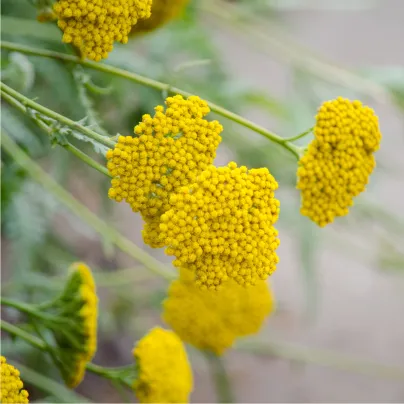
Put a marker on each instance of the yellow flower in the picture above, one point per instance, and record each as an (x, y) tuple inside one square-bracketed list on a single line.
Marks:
[(151, 232), (164, 373), (339, 161), (11, 386), (168, 152), (162, 12), (78, 304), (221, 226), (212, 321), (94, 25)]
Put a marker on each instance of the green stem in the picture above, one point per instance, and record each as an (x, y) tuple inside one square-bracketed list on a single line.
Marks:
[(321, 357), (27, 337), (108, 373), (87, 159), (69, 147), (54, 115), (110, 233), (45, 384), (220, 377), (157, 85), (25, 308), (300, 135)]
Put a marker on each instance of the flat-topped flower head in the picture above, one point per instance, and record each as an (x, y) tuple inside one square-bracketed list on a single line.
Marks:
[(168, 151), (79, 304), (221, 226), (162, 12), (164, 372), (94, 25), (212, 321), (11, 386), (338, 162)]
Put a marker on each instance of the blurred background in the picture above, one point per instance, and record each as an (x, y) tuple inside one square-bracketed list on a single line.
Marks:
[(338, 332)]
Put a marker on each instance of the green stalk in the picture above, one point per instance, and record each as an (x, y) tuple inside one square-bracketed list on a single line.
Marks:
[(69, 147), (220, 377), (26, 308), (110, 233), (58, 117), (45, 384), (299, 136), (108, 373), (157, 85)]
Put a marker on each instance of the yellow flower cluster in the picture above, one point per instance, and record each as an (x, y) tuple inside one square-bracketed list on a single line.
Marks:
[(162, 12), (11, 386), (221, 226), (212, 321), (79, 304), (94, 25), (164, 373), (339, 161), (168, 152)]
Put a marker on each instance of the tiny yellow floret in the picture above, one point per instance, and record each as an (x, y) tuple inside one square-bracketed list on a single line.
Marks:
[(168, 151), (164, 372), (339, 161), (212, 321), (222, 226), (11, 386), (94, 25)]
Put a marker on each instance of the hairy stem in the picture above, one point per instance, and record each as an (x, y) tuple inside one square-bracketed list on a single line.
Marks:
[(106, 231), (157, 85), (58, 117), (69, 147)]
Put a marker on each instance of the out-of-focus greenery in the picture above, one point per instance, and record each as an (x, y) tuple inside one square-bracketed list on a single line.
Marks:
[(37, 232)]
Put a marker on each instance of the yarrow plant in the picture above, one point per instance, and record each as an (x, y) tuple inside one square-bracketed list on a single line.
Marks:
[(94, 25), (339, 161), (213, 321), (11, 386), (164, 373), (218, 223)]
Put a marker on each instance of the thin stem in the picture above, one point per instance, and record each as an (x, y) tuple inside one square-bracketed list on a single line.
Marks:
[(69, 147), (157, 85), (114, 374), (25, 308), (87, 159), (46, 384), (321, 357), (221, 379), (300, 135), (27, 337), (108, 373), (54, 115), (110, 233)]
